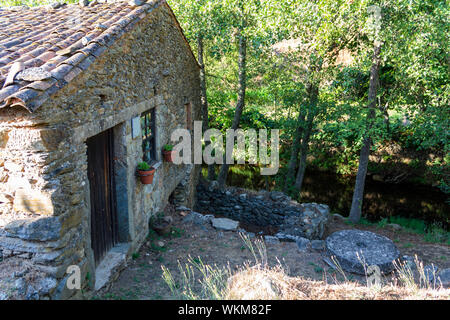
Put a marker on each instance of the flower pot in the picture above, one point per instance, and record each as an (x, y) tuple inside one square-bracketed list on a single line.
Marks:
[(146, 176), (168, 156)]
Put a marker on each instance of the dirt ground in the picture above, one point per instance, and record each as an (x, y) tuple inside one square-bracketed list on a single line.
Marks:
[(142, 278)]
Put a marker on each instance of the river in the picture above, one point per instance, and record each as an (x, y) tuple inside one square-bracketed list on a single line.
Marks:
[(381, 200)]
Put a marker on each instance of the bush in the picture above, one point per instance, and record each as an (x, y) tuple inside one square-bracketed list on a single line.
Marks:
[(143, 166)]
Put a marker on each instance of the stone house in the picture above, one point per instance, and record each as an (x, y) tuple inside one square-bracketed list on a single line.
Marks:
[(86, 93)]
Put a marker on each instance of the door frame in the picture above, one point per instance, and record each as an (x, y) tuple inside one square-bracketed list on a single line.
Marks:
[(102, 239)]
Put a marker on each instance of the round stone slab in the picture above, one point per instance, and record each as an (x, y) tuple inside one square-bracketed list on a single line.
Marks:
[(373, 249)]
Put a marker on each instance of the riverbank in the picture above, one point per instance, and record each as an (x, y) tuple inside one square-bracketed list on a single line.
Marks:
[(381, 200)]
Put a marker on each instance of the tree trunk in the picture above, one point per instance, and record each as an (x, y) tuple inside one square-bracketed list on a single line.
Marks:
[(204, 99), (314, 93), (240, 102), (295, 150), (358, 193)]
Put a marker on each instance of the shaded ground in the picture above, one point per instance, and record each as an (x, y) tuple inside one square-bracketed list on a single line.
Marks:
[(142, 279)]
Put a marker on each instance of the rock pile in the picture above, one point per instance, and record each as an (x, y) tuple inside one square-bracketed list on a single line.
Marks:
[(293, 220)]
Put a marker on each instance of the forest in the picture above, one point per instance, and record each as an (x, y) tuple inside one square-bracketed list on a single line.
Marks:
[(359, 90)]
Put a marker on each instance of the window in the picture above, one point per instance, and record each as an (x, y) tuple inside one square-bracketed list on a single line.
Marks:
[(148, 135)]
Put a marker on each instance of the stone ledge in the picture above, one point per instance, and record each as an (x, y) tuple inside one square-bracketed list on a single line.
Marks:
[(113, 262)]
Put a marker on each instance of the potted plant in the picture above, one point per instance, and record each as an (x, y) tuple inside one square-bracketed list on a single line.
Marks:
[(161, 224), (145, 172), (168, 153)]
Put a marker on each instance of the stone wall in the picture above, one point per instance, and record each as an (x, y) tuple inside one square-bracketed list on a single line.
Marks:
[(288, 218), (44, 188)]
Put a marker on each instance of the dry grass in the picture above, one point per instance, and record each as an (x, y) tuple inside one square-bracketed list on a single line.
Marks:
[(261, 282), (266, 283)]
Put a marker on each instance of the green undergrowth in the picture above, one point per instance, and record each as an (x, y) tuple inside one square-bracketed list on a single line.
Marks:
[(433, 233)]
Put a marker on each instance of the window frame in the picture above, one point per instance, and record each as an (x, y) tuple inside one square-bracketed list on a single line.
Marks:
[(148, 135)]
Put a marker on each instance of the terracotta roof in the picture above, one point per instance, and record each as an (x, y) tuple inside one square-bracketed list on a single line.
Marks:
[(52, 46)]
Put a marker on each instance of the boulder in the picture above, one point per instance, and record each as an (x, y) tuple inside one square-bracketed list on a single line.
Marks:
[(197, 218), (225, 224), (278, 196), (354, 248), (310, 224), (303, 244), (283, 237), (43, 229)]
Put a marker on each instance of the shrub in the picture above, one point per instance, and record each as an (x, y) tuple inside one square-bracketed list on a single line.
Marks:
[(168, 147), (143, 166)]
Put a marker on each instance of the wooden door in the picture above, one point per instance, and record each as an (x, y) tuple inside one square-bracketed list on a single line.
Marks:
[(104, 233)]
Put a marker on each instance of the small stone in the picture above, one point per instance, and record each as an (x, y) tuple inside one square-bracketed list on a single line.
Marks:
[(243, 196), (394, 226), (214, 185), (161, 244), (83, 3), (19, 274), (197, 218), (278, 196), (46, 285), (303, 244), (286, 237), (409, 262), (271, 239), (225, 224), (430, 272), (32, 293), (182, 208), (318, 245), (21, 286), (444, 278)]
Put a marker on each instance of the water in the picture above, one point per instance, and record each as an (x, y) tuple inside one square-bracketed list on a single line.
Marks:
[(381, 200)]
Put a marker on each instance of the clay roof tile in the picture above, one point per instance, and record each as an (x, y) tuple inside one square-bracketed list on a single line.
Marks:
[(62, 40)]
